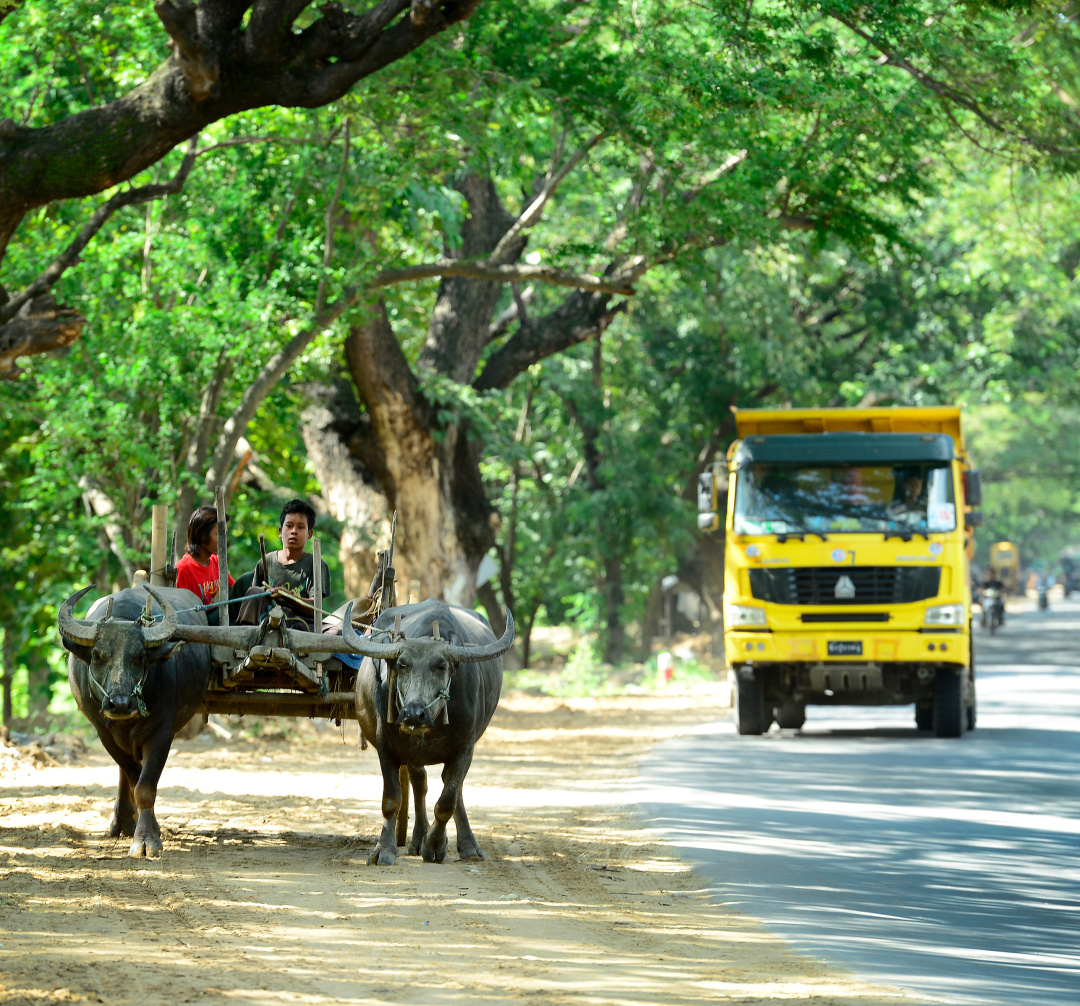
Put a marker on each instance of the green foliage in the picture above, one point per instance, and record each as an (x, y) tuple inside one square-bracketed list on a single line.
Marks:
[(831, 231), (1029, 453)]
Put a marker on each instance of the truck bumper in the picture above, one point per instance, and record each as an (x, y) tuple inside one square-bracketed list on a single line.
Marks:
[(872, 646)]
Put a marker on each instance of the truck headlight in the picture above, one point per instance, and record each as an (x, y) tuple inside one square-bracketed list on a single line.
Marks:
[(945, 614), (744, 614)]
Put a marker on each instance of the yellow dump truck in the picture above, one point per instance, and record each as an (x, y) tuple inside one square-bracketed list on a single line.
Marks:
[(848, 537), (1005, 562)]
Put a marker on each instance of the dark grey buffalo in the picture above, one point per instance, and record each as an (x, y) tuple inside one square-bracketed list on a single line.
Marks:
[(424, 701), (137, 689)]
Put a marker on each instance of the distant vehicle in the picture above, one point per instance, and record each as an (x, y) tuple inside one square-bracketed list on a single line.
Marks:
[(993, 608), (1070, 569), (1005, 562), (847, 540)]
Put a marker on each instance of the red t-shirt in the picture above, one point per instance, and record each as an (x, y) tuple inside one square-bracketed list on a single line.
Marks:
[(199, 579)]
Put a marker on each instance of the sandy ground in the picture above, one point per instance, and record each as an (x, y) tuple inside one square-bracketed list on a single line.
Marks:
[(264, 896)]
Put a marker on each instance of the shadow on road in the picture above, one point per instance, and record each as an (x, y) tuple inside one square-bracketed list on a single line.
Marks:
[(950, 867)]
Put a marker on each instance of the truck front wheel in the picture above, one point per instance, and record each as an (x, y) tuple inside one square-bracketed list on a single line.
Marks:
[(949, 711), (750, 706)]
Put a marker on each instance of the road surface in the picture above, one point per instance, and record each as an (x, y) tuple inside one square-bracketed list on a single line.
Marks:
[(948, 867)]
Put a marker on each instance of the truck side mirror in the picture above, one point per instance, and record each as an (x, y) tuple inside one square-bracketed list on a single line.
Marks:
[(704, 491), (974, 519), (973, 495)]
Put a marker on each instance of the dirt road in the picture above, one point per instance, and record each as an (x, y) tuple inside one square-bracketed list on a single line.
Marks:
[(264, 895)]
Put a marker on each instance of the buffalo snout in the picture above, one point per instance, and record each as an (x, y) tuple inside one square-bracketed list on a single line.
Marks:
[(414, 714), (118, 706)]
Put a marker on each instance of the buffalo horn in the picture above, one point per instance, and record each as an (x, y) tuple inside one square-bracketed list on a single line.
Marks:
[(364, 645), (159, 633), (75, 630), (474, 654)]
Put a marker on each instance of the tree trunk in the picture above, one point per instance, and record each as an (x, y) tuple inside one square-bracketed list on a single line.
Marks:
[(8, 651), (351, 491)]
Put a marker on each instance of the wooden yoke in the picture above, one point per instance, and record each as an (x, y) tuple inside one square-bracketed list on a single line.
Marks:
[(223, 556)]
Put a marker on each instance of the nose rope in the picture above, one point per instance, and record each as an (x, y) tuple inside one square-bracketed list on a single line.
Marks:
[(444, 695)]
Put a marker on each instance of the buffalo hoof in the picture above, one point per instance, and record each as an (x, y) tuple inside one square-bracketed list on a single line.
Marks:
[(432, 854), (145, 845), (382, 857), (471, 852), (417, 843)]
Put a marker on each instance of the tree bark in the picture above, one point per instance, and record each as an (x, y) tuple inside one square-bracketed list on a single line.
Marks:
[(9, 672), (350, 489)]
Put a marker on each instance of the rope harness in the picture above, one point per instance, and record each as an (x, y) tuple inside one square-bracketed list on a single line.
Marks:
[(97, 689)]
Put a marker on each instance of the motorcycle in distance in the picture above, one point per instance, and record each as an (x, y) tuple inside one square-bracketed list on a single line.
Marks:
[(1042, 587), (993, 606)]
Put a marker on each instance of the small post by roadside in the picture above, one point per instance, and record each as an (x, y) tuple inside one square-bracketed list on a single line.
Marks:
[(158, 525)]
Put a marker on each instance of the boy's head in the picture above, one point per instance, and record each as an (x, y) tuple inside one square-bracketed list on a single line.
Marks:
[(201, 530), (297, 522)]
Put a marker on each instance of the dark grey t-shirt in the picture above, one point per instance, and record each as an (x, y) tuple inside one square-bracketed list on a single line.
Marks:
[(296, 576)]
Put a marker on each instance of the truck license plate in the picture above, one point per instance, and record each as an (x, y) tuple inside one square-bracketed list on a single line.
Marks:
[(845, 649)]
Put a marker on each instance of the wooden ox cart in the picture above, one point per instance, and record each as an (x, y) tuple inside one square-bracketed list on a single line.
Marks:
[(285, 671)]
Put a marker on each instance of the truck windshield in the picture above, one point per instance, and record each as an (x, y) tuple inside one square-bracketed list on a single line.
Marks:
[(792, 499)]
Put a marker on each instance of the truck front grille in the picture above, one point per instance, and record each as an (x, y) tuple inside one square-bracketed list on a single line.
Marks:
[(859, 585)]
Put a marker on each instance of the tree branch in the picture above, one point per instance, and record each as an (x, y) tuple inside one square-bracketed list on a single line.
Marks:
[(212, 74), (331, 212), (531, 214), (471, 269), (582, 316), (270, 374), (70, 255), (945, 90)]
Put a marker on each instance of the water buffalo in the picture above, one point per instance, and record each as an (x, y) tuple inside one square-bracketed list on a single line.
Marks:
[(424, 696), (137, 689)]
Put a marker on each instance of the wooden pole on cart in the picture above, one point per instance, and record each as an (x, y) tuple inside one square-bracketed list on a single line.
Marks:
[(316, 547), (158, 522), (170, 568), (389, 590), (316, 565), (223, 555)]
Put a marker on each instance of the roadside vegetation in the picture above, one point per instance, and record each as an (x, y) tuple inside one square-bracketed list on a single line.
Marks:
[(510, 286)]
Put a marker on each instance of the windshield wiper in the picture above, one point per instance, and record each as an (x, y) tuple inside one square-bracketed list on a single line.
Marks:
[(904, 534)]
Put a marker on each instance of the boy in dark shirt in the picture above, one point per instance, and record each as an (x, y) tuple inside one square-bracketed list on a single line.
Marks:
[(289, 572)]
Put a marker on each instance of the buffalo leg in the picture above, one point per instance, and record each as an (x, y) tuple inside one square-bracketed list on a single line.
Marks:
[(403, 811), (385, 853), (420, 825), (466, 841), (147, 840), (434, 846), (123, 819)]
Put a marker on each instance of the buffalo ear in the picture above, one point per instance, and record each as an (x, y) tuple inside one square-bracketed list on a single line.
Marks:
[(156, 654), (79, 651)]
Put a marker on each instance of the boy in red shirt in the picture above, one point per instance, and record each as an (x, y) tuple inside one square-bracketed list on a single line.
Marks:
[(197, 571)]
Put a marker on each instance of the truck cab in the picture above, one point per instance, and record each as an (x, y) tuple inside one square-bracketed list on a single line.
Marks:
[(847, 542)]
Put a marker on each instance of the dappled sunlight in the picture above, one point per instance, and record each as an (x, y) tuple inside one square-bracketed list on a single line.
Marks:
[(264, 894)]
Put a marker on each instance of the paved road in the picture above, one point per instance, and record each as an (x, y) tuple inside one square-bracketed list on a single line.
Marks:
[(950, 868)]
